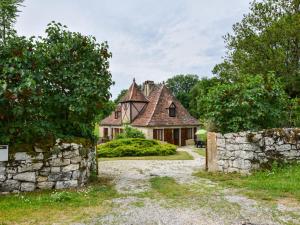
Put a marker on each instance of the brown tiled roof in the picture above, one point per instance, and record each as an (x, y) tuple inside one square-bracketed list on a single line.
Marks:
[(111, 121), (156, 112), (134, 94)]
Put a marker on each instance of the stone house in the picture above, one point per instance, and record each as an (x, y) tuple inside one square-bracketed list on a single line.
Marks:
[(154, 111)]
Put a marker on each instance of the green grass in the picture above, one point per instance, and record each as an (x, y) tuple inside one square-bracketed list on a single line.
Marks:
[(48, 207), (180, 155), (280, 182), (200, 151), (135, 147)]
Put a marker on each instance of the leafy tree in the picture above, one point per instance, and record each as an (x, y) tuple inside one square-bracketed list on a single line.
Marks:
[(251, 103), (267, 39), (8, 14), (198, 93), (120, 95), (180, 85), (54, 85)]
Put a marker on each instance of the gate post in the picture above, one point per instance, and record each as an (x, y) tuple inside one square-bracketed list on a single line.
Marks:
[(211, 152)]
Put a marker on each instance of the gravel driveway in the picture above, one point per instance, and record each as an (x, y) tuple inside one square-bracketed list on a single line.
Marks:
[(214, 204)]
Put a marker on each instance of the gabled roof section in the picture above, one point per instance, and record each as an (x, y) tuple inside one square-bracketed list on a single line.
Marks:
[(157, 111), (134, 94), (111, 120)]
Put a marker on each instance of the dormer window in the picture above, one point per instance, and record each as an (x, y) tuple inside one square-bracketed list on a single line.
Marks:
[(172, 110), (117, 114)]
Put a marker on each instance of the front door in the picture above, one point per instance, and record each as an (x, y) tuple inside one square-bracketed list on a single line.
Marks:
[(176, 136), (168, 136)]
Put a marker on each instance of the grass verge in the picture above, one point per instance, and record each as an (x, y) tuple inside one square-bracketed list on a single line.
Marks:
[(180, 155), (200, 151), (280, 182), (48, 207)]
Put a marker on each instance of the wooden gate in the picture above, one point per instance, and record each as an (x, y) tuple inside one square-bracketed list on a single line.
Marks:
[(168, 136)]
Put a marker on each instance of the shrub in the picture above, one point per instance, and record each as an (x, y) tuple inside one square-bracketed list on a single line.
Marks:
[(52, 86), (130, 132), (135, 147)]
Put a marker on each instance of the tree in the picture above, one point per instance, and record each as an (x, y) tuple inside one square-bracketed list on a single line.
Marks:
[(8, 14), (180, 86), (52, 86), (198, 93), (267, 39), (120, 95), (252, 103)]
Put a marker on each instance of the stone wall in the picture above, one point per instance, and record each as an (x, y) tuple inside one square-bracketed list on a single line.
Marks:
[(66, 165), (246, 151)]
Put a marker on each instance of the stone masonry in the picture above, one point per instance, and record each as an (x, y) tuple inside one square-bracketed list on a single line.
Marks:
[(67, 165), (247, 151)]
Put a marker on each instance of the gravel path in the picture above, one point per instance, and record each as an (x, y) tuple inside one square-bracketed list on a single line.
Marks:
[(214, 205)]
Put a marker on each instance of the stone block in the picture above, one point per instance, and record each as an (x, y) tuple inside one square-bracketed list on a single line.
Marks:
[(75, 175), (59, 162), (45, 185), (284, 147), (41, 179), (66, 184), (9, 186), (60, 176), (30, 167), (37, 149), (76, 159), (269, 141), (229, 135), (232, 147), (70, 154), (40, 156), (221, 142), (27, 186), (2, 177), (75, 146), (22, 156), (2, 170), (56, 169), (241, 140), (27, 176), (65, 145), (70, 167)]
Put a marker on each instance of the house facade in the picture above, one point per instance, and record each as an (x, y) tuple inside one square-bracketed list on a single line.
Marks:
[(154, 111)]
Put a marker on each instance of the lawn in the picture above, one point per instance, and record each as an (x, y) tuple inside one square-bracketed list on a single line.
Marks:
[(280, 182), (200, 151), (48, 207), (180, 155)]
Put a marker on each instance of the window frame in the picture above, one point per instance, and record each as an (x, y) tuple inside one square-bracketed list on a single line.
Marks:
[(172, 110)]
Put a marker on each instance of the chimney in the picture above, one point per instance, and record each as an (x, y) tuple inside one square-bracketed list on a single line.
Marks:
[(148, 86)]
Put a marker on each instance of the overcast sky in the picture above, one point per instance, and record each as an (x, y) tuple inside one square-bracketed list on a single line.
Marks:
[(149, 39)]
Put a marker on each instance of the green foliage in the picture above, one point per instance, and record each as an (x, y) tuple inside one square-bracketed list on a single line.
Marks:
[(52, 86), (280, 181), (120, 96), (294, 112), (130, 132), (252, 103), (267, 39), (198, 96), (135, 147), (180, 86), (8, 14)]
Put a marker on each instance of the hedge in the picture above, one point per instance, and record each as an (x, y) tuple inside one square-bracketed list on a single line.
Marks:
[(135, 147)]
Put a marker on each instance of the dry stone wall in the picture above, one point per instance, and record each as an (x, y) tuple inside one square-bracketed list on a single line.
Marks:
[(66, 165), (246, 151)]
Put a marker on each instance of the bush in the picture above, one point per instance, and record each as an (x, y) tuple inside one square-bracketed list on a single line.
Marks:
[(135, 147), (130, 132), (52, 86)]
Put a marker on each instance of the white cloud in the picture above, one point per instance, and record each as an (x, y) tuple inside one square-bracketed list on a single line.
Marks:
[(149, 39)]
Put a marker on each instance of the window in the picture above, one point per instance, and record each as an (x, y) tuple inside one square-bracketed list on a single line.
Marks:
[(158, 134), (117, 114), (172, 110)]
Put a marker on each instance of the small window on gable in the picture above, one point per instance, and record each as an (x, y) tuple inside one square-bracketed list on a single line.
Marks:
[(172, 110), (117, 114)]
